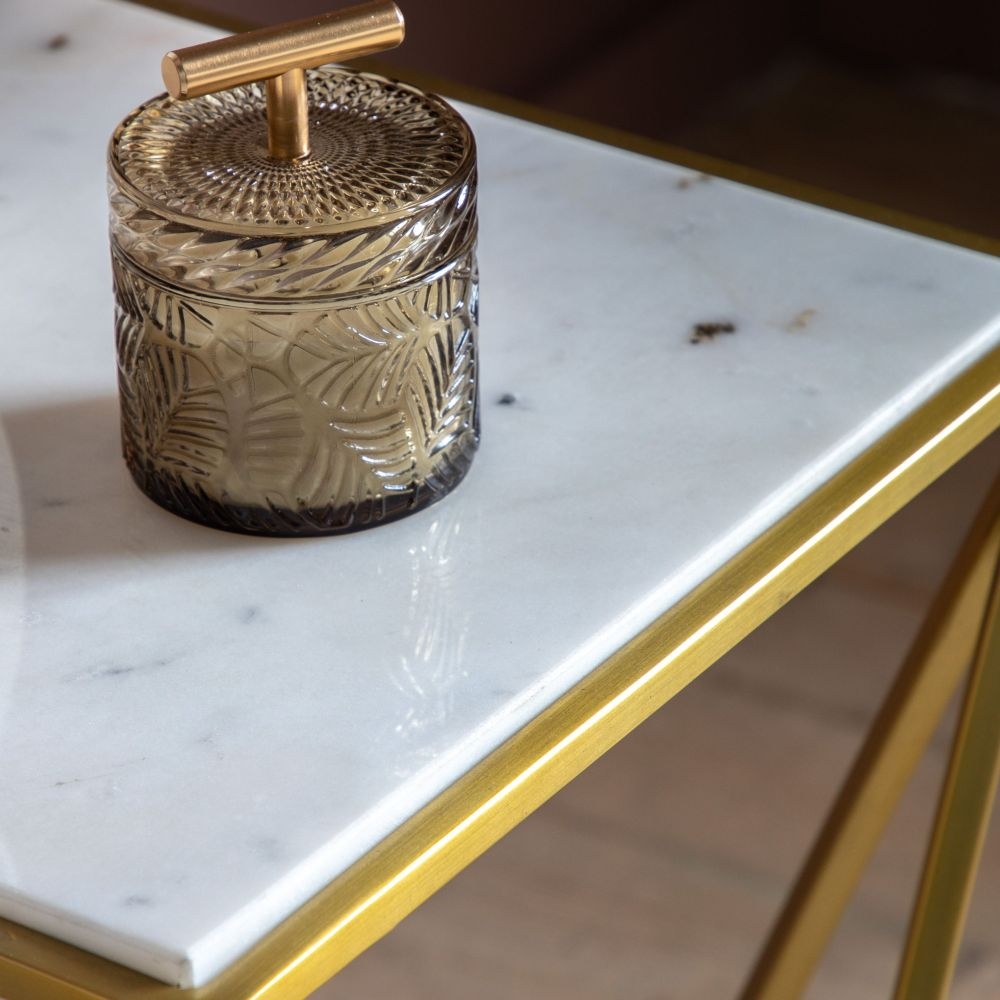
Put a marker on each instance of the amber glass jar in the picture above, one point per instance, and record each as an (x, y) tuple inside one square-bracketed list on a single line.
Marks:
[(296, 338)]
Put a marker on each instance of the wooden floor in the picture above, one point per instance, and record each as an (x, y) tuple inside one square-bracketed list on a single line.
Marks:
[(657, 873)]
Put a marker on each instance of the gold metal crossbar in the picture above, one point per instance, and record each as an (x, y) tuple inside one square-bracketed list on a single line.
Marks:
[(960, 826), (962, 625)]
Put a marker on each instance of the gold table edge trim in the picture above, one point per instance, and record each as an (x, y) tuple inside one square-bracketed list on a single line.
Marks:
[(701, 163), (372, 896)]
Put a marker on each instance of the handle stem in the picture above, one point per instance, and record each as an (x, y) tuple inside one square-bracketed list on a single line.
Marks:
[(288, 116)]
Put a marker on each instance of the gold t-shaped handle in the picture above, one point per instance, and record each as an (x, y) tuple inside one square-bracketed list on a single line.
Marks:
[(281, 55)]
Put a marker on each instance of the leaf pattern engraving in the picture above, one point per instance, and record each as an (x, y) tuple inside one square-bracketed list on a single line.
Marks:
[(299, 419), (181, 410), (442, 393), (370, 357)]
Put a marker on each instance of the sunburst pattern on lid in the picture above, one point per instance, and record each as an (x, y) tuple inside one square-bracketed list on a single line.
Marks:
[(378, 148)]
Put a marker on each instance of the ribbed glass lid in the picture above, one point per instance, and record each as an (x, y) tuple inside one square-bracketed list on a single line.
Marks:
[(379, 148)]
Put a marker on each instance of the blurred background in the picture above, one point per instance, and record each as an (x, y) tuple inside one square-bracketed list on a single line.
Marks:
[(657, 873), (893, 102)]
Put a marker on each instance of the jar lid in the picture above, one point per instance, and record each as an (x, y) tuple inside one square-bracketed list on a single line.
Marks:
[(387, 195), (380, 150)]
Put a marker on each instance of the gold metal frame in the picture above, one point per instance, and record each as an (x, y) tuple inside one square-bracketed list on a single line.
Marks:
[(960, 825), (376, 893), (371, 897), (955, 628)]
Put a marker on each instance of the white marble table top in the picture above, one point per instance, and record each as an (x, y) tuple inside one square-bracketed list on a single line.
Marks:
[(200, 730)]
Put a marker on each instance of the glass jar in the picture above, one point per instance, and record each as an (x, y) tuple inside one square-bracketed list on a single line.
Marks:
[(296, 338)]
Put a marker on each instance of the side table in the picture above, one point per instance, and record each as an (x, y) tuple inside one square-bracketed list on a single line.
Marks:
[(231, 764)]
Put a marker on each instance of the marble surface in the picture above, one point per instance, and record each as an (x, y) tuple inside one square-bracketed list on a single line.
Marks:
[(199, 730)]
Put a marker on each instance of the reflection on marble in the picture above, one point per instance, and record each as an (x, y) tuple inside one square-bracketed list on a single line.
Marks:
[(432, 664), (199, 730)]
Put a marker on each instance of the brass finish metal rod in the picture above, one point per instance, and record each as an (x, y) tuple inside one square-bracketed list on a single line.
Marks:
[(959, 827), (895, 743), (288, 115), (269, 52)]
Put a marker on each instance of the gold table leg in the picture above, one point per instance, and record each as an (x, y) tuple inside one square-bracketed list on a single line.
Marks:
[(897, 740), (959, 827)]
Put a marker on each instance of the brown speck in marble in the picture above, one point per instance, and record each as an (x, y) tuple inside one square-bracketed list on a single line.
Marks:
[(57, 42), (709, 331), (688, 182), (801, 320)]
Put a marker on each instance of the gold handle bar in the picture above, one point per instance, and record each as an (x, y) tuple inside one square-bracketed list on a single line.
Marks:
[(279, 55)]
